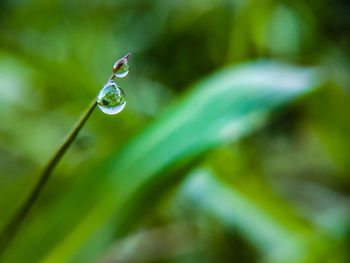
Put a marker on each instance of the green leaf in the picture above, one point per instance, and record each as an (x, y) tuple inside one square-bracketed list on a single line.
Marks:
[(204, 192), (223, 108)]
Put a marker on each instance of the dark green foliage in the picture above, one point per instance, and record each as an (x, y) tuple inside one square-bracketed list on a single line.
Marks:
[(233, 145)]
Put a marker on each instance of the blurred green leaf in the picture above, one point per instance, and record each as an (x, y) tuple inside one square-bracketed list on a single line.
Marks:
[(220, 109), (276, 240), (237, 212)]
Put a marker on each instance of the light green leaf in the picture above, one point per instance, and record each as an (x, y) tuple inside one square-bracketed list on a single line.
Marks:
[(233, 210), (221, 109)]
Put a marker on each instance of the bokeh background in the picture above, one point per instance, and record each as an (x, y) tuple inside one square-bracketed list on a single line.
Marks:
[(233, 146)]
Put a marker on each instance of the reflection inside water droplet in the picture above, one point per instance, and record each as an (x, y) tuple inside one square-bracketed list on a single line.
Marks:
[(123, 70), (111, 98)]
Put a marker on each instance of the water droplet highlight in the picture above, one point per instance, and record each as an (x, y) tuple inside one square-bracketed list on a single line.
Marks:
[(111, 99), (123, 70), (120, 67)]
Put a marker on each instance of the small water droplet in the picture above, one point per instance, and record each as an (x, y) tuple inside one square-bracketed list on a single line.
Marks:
[(123, 70), (111, 98)]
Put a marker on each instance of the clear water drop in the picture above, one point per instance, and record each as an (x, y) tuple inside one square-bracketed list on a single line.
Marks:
[(123, 70), (111, 99)]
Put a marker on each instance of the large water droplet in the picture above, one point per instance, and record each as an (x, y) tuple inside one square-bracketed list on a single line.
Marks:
[(123, 70), (111, 98)]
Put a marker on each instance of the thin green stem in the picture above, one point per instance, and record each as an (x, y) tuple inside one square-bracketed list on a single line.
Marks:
[(17, 220), (15, 223)]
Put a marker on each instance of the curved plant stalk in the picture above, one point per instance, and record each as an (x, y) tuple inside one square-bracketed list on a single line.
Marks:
[(15, 223), (17, 220)]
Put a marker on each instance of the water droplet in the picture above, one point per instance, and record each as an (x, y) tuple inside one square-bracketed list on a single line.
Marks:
[(123, 70), (111, 98)]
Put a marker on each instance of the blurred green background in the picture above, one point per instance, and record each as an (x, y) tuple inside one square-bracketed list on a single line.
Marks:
[(233, 146)]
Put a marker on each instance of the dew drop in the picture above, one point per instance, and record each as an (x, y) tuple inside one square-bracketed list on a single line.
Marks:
[(123, 70), (111, 98)]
